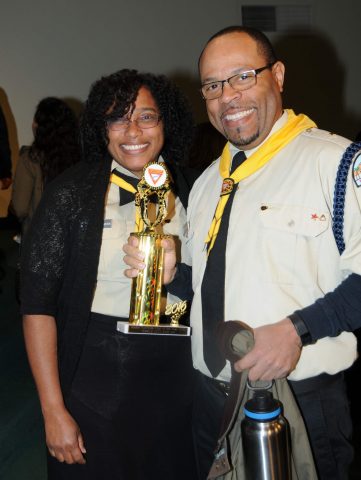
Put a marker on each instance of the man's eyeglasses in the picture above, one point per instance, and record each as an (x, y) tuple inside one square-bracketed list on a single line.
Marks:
[(240, 82), (145, 120)]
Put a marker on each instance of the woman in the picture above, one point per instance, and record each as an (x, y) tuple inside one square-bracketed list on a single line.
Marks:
[(5, 154), (115, 406), (55, 148)]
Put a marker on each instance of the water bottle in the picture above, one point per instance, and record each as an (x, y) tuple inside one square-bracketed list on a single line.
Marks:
[(266, 439)]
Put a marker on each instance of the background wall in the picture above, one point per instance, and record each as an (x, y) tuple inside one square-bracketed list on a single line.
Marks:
[(60, 47)]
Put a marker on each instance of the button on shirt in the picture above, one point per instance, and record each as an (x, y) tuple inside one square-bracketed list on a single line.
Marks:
[(281, 254), (112, 293)]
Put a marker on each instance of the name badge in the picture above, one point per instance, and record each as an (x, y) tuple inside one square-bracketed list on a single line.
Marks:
[(108, 223)]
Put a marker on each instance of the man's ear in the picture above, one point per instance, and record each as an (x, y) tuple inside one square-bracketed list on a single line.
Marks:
[(278, 72)]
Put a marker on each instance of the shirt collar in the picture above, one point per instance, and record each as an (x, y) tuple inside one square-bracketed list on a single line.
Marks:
[(121, 169)]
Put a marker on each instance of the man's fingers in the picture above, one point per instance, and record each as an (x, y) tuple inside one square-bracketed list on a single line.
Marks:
[(244, 363), (261, 369)]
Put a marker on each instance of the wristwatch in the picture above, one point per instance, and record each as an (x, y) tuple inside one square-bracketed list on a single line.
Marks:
[(301, 329)]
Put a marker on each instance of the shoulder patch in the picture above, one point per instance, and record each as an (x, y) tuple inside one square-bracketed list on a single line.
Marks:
[(356, 170)]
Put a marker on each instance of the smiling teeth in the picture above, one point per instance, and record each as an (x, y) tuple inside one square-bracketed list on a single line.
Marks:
[(238, 115), (134, 147)]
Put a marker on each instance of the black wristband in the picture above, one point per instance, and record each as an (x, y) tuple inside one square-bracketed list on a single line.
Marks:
[(301, 329)]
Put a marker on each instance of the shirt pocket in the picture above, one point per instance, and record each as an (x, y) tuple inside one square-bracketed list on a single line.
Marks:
[(115, 234), (290, 240), (195, 235)]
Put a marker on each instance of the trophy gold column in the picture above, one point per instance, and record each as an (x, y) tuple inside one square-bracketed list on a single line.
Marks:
[(146, 289)]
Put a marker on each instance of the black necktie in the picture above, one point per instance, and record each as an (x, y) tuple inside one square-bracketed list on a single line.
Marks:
[(125, 196), (213, 286)]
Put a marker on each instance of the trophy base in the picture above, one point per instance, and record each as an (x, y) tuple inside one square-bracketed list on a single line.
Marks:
[(163, 329)]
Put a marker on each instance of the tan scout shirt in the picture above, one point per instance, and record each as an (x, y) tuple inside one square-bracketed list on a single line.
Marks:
[(27, 188), (112, 294), (281, 254)]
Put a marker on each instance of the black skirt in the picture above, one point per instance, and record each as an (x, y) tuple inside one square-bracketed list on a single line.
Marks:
[(132, 399)]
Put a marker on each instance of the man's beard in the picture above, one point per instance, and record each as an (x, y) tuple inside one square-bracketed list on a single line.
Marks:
[(242, 141)]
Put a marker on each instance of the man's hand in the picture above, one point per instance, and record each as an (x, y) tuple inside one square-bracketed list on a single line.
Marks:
[(63, 437), (134, 258), (275, 354)]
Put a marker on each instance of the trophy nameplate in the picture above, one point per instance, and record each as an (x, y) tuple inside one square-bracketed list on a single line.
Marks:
[(146, 292)]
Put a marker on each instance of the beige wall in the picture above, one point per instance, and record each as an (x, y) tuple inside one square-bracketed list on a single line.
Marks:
[(59, 47)]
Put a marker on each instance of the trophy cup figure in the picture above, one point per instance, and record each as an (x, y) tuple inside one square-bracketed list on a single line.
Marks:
[(146, 292)]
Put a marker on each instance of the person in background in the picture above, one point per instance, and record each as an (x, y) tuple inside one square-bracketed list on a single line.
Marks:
[(263, 249), (5, 154), (115, 406), (55, 148), (206, 147)]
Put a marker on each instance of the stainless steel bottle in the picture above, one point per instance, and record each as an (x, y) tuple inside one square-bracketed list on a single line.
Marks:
[(266, 439)]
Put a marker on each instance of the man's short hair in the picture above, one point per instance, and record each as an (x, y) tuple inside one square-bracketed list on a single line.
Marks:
[(264, 45)]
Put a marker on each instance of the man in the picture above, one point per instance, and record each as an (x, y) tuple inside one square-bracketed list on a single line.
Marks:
[(5, 155), (279, 248)]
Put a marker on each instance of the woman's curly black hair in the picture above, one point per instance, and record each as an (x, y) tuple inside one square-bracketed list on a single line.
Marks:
[(56, 138), (113, 96)]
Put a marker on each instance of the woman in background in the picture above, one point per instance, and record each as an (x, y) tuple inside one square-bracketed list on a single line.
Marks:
[(55, 148)]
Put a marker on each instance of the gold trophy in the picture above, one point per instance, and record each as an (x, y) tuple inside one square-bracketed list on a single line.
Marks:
[(146, 293)]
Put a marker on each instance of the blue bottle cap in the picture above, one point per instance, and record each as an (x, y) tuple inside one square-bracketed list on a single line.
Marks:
[(263, 415), (262, 406)]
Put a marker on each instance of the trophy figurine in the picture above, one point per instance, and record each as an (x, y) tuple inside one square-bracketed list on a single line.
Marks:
[(146, 293)]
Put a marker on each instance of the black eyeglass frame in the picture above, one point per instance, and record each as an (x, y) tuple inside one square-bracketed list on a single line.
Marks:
[(255, 72), (127, 122)]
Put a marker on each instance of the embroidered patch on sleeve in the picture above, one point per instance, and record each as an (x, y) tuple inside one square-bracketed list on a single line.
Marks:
[(356, 170)]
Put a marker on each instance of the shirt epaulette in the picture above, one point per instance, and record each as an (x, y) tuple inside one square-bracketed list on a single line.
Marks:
[(326, 136)]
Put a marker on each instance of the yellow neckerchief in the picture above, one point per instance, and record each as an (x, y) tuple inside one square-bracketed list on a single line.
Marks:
[(139, 224), (294, 126)]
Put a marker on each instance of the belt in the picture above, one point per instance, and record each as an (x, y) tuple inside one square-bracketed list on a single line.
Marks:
[(300, 386), (220, 385), (314, 383)]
